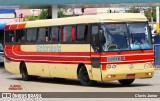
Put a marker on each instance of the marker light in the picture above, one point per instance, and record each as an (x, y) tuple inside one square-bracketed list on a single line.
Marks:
[(108, 66), (113, 66)]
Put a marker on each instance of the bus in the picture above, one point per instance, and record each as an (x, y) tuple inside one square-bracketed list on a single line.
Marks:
[(90, 48)]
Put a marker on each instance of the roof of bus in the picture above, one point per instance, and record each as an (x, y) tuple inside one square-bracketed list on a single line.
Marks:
[(111, 17)]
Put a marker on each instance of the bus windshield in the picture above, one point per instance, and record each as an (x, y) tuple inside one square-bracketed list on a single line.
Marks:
[(140, 36), (126, 36)]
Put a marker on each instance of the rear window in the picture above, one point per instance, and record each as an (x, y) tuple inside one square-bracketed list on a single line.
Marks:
[(9, 36)]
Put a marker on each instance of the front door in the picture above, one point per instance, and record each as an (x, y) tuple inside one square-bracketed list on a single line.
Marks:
[(95, 54)]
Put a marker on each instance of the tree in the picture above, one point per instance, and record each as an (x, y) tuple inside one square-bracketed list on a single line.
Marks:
[(133, 10), (148, 13), (43, 15), (61, 14)]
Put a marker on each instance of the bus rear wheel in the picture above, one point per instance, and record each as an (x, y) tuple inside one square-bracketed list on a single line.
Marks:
[(84, 78), (25, 75), (126, 81)]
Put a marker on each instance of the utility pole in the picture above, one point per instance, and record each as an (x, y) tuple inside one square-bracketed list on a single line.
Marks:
[(157, 20)]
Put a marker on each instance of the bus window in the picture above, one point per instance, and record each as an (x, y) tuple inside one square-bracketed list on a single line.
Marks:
[(67, 34), (54, 31), (9, 36), (20, 36), (31, 35), (42, 34), (95, 37), (81, 34)]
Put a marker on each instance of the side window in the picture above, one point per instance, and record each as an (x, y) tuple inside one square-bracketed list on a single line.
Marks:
[(20, 36), (81, 33), (95, 37), (31, 35), (94, 29), (42, 35), (67, 34), (9, 36), (54, 33)]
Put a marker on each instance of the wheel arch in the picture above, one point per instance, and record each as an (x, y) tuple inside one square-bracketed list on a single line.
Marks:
[(79, 67), (20, 66)]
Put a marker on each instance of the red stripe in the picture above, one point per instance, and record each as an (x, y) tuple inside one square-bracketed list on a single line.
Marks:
[(46, 61), (13, 26), (22, 25), (7, 27), (43, 56), (10, 54)]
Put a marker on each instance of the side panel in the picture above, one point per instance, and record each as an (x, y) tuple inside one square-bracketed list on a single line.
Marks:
[(66, 65), (12, 66), (52, 60), (63, 70)]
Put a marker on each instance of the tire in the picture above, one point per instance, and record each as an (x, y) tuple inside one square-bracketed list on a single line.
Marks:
[(84, 78), (25, 75), (126, 82)]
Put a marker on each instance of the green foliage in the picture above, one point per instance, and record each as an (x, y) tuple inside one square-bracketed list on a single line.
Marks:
[(43, 15), (61, 14), (133, 10), (31, 18), (148, 13)]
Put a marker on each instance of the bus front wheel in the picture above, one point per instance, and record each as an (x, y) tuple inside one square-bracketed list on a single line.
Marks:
[(126, 81), (84, 78)]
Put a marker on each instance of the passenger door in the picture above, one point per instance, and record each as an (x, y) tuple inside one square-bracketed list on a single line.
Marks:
[(95, 54)]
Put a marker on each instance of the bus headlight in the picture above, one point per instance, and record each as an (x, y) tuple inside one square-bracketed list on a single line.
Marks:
[(108, 66), (113, 66), (147, 65)]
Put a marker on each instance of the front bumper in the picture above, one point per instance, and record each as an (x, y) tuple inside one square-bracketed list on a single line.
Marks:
[(123, 71), (124, 75)]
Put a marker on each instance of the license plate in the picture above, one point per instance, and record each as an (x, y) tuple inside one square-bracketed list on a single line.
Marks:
[(130, 76)]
